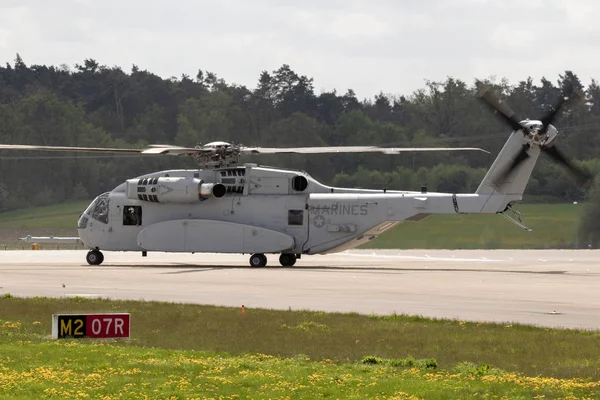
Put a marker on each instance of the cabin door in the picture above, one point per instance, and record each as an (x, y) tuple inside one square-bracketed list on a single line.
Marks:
[(297, 220)]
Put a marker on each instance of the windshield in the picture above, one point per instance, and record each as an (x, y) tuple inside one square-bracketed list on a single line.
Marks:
[(99, 211), (88, 210)]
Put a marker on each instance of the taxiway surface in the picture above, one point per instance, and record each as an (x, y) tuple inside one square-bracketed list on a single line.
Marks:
[(555, 288)]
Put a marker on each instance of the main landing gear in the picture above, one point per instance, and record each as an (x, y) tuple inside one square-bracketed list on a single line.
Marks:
[(259, 260), (287, 260), (94, 257)]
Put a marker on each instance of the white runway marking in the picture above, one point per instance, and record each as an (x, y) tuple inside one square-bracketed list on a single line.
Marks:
[(426, 258)]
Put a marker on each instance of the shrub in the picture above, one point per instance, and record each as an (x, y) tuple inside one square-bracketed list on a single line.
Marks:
[(468, 368), (408, 362), (372, 360)]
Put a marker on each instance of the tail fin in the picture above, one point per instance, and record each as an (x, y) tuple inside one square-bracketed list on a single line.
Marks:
[(514, 183)]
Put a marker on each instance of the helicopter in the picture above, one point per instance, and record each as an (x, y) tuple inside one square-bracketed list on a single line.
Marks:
[(226, 206)]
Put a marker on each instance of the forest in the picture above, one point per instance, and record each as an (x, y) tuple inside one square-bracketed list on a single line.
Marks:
[(90, 104)]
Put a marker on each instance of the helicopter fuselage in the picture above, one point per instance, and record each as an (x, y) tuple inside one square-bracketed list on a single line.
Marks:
[(252, 209)]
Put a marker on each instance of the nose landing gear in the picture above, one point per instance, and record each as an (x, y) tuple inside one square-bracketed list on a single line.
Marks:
[(94, 257)]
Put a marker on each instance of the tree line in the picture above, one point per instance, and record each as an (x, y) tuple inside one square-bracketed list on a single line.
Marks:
[(91, 104)]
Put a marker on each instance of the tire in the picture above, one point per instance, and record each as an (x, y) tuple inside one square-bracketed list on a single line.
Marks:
[(287, 260), (264, 260), (258, 260), (94, 257)]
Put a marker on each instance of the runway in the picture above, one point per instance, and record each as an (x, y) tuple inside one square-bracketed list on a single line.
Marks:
[(553, 288)]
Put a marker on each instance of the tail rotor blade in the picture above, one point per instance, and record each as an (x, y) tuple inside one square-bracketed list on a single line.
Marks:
[(576, 96), (500, 108), (518, 160), (581, 176)]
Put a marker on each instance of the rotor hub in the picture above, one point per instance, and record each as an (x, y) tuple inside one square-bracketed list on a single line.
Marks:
[(534, 132)]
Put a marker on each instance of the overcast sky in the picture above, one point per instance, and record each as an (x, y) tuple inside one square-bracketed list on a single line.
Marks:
[(370, 46)]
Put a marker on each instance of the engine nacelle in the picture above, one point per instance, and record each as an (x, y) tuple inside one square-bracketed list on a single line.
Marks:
[(173, 190)]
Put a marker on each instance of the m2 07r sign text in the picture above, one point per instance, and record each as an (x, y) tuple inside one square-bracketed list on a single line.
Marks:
[(111, 325)]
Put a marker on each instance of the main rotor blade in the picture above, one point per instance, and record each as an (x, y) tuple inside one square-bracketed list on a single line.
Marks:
[(190, 151), (175, 150), (153, 149), (350, 149), (500, 108), (582, 177), (74, 157), (576, 96), (69, 149)]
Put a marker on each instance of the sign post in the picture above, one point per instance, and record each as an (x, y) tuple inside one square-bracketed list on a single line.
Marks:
[(109, 325)]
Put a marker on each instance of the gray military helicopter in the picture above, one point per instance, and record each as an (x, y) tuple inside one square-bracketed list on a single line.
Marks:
[(228, 207)]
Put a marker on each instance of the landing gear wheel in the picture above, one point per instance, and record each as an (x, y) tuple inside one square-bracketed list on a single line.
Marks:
[(258, 260), (94, 257), (287, 260)]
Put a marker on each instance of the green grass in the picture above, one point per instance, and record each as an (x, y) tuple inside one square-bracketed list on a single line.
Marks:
[(58, 216), (339, 337), (80, 371), (554, 226), (54, 220), (190, 351)]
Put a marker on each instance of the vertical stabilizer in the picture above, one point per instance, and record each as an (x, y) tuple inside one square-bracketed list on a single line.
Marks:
[(496, 181)]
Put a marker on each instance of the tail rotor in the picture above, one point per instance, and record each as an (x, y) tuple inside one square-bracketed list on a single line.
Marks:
[(539, 133)]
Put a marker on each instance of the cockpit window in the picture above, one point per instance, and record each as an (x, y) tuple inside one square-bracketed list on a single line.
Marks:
[(89, 208), (100, 211)]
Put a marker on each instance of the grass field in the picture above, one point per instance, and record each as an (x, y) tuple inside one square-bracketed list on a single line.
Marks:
[(58, 216), (55, 220), (554, 226), (191, 351)]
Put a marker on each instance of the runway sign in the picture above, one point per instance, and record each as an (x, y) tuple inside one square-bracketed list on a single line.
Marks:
[(110, 325)]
